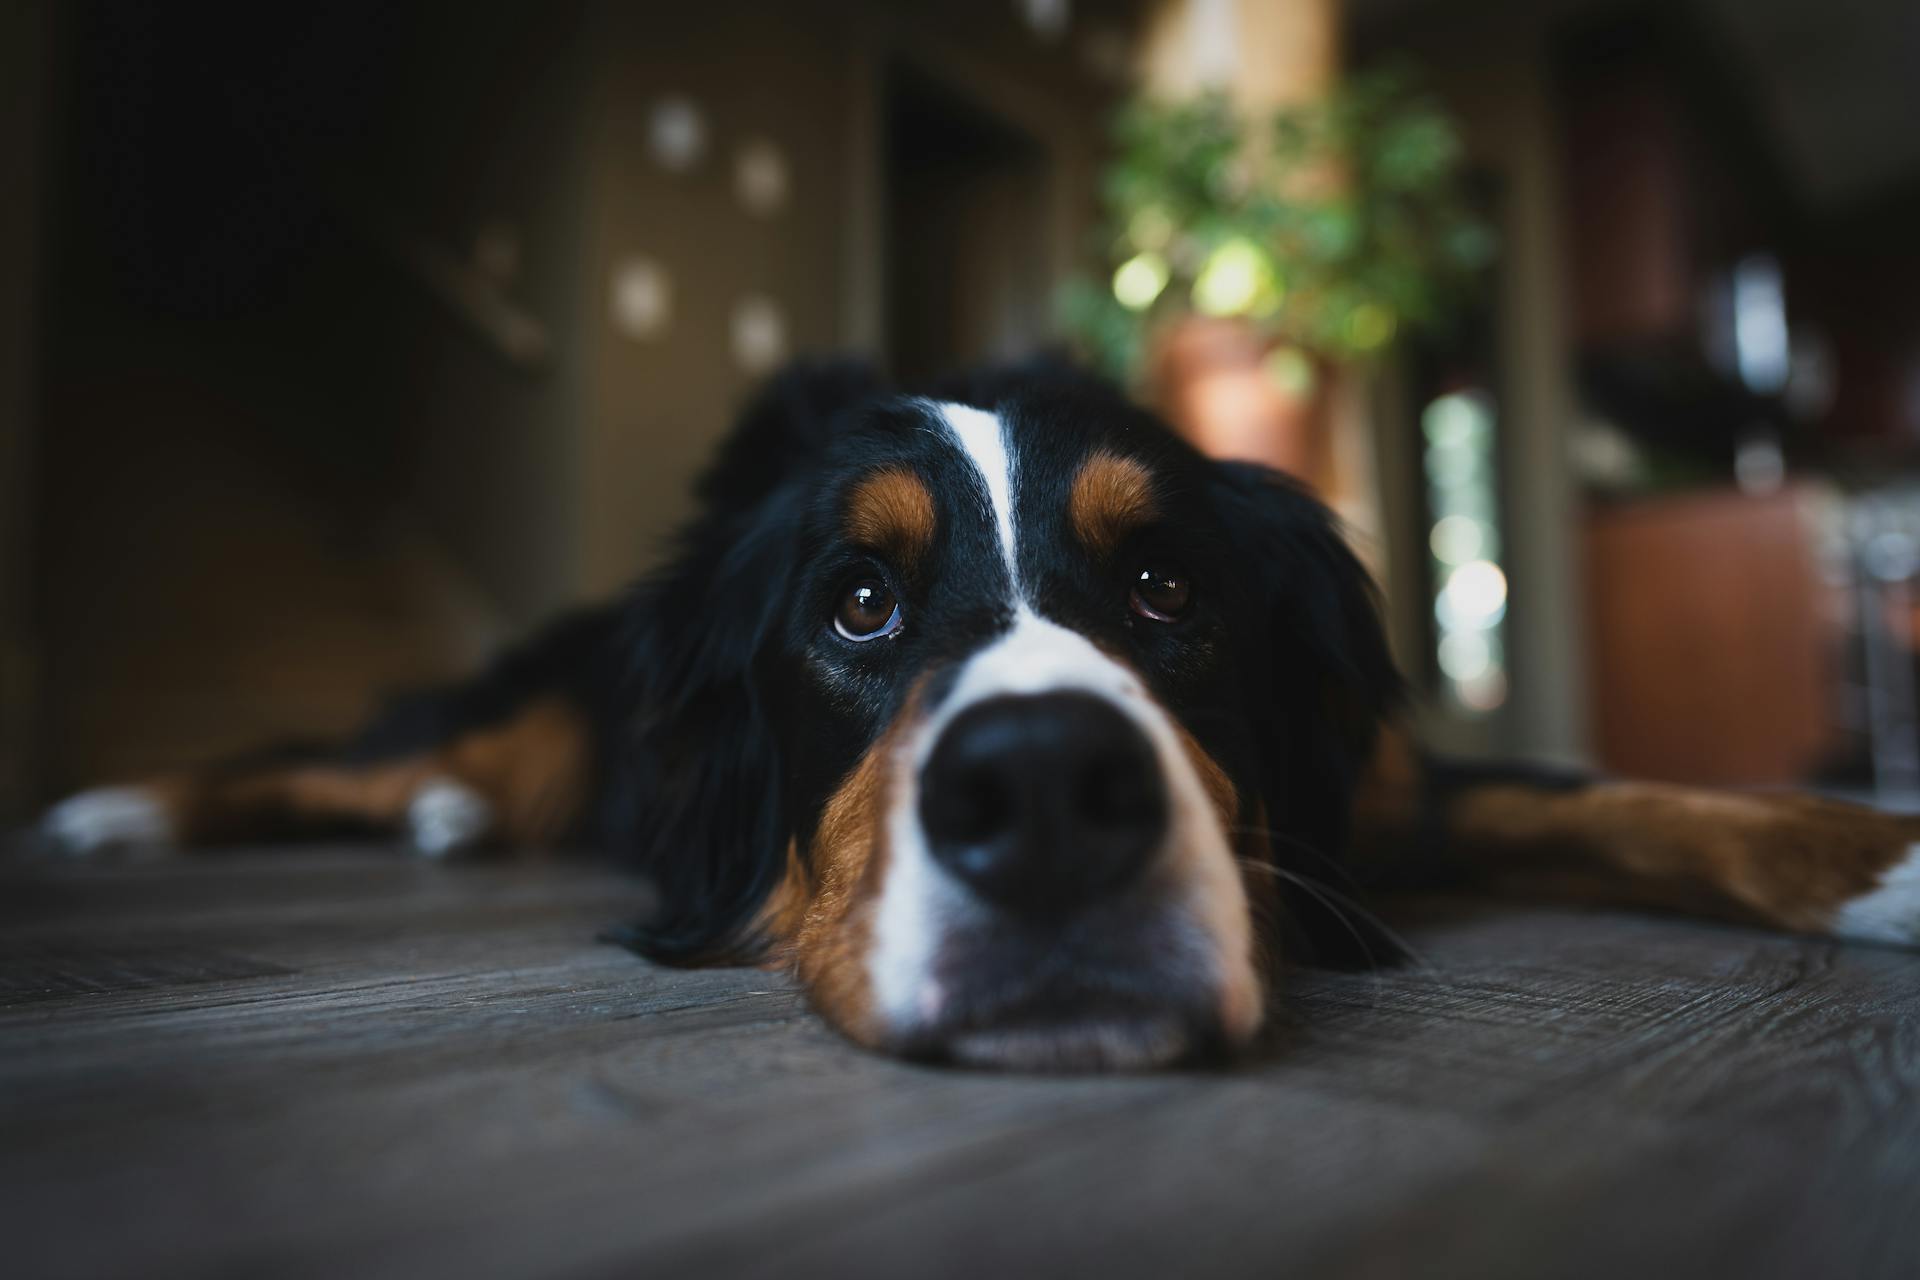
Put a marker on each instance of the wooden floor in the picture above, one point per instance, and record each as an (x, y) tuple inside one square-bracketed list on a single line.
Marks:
[(350, 1064)]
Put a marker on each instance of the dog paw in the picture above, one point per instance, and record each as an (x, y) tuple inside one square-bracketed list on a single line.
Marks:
[(1890, 911), (447, 817), (108, 818)]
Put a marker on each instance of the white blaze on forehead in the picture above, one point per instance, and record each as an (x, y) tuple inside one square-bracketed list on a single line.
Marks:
[(1038, 656), (982, 438)]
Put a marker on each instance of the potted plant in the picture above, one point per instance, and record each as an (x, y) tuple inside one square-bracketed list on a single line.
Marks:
[(1246, 262)]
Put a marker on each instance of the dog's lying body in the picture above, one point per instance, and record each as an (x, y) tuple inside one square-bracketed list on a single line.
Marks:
[(1022, 733)]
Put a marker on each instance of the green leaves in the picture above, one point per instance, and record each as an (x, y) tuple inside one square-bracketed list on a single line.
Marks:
[(1336, 227)]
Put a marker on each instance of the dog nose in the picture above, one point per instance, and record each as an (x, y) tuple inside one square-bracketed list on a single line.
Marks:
[(1043, 802)]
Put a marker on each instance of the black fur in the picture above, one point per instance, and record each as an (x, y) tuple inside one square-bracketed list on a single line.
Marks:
[(1324, 677), (699, 800), (725, 713), (575, 657), (1283, 675)]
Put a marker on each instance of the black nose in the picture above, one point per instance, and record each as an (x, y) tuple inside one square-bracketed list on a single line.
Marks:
[(1043, 802)]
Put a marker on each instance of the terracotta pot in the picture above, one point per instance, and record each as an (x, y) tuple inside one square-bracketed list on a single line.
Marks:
[(1215, 385)]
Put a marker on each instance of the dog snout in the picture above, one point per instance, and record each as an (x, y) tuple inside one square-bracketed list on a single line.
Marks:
[(1043, 803)]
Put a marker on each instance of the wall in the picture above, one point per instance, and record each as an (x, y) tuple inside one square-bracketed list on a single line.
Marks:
[(26, 45), (291, 462), (810, 78), (494, 141), (279, 474), (656, 406)]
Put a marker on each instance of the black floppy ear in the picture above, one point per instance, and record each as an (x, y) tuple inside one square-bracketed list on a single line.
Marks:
[(1317, 657), (696, 789), (782, 430)]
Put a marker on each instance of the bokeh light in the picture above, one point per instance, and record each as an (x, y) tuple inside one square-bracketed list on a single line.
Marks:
[(1457, 539), (1291, 370), (1236, 279), (1139, 280), (1470, 596)]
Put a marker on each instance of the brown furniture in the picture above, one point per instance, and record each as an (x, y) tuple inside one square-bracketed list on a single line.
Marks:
[(1710, 642)]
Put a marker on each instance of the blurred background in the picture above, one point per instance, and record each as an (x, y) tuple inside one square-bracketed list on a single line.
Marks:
[(339, 343)]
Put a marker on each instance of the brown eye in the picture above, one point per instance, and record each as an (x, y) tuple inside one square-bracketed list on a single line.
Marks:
[(1160, 593), (868, 610)]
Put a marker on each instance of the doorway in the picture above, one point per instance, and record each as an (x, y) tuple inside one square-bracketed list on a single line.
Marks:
[(966, 199)]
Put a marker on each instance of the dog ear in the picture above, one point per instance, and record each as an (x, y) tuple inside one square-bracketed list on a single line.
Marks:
[(696, 799), (787, 425), (696, 804), (1317, 657)]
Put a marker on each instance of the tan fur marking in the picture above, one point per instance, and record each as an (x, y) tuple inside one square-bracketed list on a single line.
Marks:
[(1219, 787), (829, 946), (1252, 846), (1784, 860), (1112, 496), (1789, 861), (214, 808), (777, 922), (1250, 842), (891, 511), (532, 769), (1386, 800), (1389, 788), (831, 937)]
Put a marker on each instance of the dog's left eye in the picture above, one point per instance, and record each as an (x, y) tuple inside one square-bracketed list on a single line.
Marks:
[(1160, 593), (868, 610)]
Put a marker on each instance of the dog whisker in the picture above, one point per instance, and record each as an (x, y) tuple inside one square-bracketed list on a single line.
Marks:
[(1344, 908), (1297, 845)]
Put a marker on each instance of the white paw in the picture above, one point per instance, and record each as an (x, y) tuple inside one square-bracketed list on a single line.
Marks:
[(1890, 913), (446, 817), (108, 818)]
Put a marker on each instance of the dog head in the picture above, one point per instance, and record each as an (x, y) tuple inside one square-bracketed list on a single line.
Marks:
[(995, 713)]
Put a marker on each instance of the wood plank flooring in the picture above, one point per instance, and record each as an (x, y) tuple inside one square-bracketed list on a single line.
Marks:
[(341, 1062)]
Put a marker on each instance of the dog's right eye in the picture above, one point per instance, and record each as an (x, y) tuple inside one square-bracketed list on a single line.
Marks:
[(868, 610), (1161, 593)]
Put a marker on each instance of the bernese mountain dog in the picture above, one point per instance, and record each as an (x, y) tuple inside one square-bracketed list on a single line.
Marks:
[(1020, 732)]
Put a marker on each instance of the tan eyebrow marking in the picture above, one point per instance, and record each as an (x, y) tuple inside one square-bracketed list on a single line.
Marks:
[(892, 511), (830, 914), (1111, 497)]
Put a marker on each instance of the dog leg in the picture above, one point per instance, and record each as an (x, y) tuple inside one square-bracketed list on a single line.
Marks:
[(1787, 861), (447, 817), (131, 817), (522, 781)]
